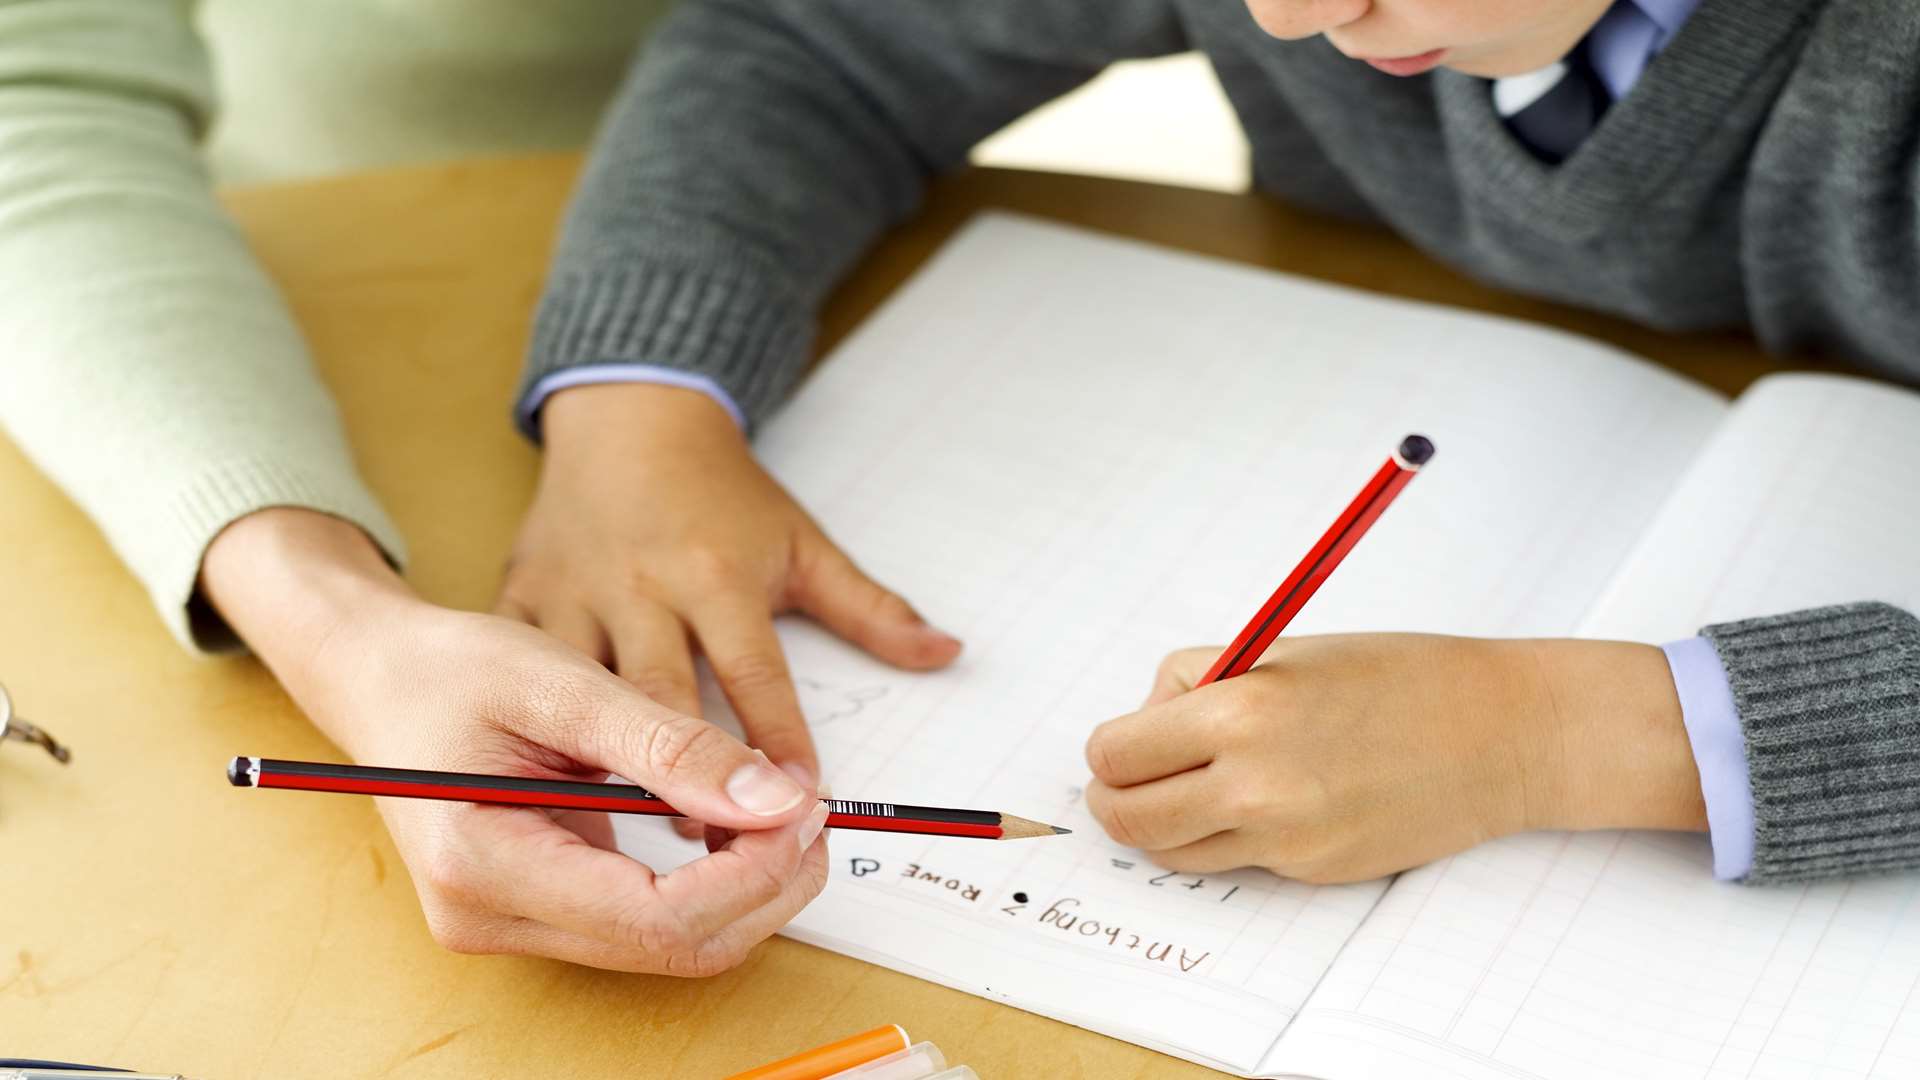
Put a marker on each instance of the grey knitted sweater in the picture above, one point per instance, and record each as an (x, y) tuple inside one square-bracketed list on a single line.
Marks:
[(1765, 172)]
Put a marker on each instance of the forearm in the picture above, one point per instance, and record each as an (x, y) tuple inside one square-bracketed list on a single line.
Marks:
[(1827, 705), (760, 146), (146, 362), (1610, 739)]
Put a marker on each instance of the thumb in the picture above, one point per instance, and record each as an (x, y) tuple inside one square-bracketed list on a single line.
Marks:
[(1179, 672), (699, 769), (829, 587)]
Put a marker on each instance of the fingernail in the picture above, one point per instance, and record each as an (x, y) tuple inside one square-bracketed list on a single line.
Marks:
[(761, 789), (800, 773), (810, 828)]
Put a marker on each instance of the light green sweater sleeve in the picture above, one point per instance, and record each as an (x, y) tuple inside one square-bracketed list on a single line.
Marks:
[(147, 364)]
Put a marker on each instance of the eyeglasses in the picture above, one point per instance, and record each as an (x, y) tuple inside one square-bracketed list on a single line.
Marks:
[(13, 727)]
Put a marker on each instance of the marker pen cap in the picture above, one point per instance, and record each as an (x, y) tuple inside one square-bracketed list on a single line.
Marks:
[(916, 1062)]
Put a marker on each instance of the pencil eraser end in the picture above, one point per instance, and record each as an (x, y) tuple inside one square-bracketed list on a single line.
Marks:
[(1416, 450), (237, 772)]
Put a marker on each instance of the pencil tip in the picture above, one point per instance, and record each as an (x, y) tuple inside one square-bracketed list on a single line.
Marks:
[(1058, 831)]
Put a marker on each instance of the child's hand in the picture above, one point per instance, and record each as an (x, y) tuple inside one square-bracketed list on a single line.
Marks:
[(1346, 757), (655, 530)]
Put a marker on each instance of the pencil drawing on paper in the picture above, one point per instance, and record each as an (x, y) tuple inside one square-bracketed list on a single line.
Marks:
[(824, 703)]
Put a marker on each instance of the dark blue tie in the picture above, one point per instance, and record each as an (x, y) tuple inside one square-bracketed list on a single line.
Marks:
[(1557, 107)]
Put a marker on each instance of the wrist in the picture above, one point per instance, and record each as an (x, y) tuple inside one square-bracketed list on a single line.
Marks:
[(594, 420), (1611, 746), (288, 580)]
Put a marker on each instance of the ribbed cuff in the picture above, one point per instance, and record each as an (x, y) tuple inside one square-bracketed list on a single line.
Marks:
[(718, 325), (189, 519), (1829, 701)]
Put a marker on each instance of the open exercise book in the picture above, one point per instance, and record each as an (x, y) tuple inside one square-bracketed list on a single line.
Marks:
[(1078, 453)]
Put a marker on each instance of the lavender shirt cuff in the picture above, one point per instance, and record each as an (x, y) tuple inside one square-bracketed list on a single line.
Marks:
[(1719, 751), (529, 408)]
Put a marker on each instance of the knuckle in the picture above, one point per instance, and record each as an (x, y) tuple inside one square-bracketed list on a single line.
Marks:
[(818, 561), (1243, 699), (1305, 794), (813, 878), (705, 961), (768, 882), (1171, 665), (458, 934), (533, 692), (1236, 715), (523, 571), (659, 680), (1097, 796), (1123, 825), (709, 568), (517, 592), (1318, 871), (445, 873), (885, 604), (1309, 858), (1172, 859), (1253, 803), (638, 580), (1102, 753), (650, 931), (754, 671), (733, 956), (675, 747)]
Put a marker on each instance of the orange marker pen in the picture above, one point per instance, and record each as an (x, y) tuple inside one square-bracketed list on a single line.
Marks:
[(824, 1061)]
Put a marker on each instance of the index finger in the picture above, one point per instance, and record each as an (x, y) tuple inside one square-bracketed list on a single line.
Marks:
[(736, 633), (529, 866), (1179, 672)]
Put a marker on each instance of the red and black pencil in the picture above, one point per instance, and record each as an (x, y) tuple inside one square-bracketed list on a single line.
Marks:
[(612, 798), (1306, 579)]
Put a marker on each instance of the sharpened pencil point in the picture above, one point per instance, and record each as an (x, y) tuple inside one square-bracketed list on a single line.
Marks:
[(1019, 828), (1058, 831)]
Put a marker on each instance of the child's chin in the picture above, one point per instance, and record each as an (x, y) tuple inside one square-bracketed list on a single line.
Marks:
[(1499, 64)]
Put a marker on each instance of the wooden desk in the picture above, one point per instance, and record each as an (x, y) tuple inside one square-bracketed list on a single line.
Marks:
[(153, 917)]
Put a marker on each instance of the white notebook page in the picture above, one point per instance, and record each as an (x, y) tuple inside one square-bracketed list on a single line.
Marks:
[(1809, 495), (1079, 453), (1611, 954)]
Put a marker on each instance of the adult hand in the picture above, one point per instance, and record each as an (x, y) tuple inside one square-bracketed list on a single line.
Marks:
[(1347, 757), (397, 681), (655, 531)]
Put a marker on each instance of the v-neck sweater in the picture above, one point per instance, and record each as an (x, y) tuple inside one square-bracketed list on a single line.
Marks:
[(1763, 173)]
